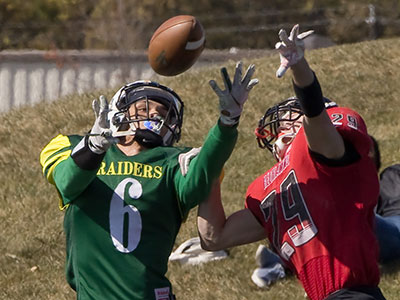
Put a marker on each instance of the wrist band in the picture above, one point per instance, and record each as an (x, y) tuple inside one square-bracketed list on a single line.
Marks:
[(85, 158), (310, 98)]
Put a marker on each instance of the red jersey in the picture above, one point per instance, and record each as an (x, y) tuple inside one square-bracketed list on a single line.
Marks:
[(320, 218)]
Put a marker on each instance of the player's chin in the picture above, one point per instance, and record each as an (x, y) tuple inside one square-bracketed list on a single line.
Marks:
[(126, 140)]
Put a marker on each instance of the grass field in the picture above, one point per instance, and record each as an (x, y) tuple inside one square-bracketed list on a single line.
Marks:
[(363, 76)]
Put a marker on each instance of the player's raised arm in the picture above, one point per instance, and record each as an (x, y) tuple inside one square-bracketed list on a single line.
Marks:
[(322, 137), (215, 230)]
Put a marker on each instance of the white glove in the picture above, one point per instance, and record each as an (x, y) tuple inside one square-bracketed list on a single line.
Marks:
[(291, 49), (100, 137), (185, 158), (231, 99)]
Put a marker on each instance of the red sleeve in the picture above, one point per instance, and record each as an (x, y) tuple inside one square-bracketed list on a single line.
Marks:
[(252, 202)]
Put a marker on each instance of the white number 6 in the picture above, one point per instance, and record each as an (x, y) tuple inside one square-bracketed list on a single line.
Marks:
[(121, 213)]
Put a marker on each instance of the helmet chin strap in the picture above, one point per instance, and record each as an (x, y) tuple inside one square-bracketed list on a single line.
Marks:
[(282, 144), (148, 138)]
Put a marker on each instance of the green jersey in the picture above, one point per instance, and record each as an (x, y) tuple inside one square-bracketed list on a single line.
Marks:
[(122, 219)]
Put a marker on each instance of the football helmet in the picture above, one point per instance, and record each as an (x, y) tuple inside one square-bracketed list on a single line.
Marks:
[(268, 130), (149, 135)]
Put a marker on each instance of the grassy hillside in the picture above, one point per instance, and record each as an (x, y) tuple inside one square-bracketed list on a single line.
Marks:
[(362, 76)]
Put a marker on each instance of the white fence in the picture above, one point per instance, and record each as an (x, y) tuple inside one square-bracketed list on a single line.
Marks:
[(27, 77), (30, 77)]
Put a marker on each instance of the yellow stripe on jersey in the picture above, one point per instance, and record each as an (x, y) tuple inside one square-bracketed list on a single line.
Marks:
[(61, 204), (52, 155)]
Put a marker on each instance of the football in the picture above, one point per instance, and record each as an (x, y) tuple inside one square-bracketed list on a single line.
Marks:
[(176, 45)]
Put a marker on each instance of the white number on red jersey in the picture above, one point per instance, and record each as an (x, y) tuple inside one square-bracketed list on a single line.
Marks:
[(293, 207)]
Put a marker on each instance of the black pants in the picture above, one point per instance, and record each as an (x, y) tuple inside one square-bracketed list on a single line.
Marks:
[(357, 293)]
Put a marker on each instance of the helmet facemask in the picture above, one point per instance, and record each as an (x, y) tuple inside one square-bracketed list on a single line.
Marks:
[(148, 131), (282, 115)]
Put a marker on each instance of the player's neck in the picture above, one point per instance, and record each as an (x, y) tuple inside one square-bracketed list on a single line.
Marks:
[(130, 147)]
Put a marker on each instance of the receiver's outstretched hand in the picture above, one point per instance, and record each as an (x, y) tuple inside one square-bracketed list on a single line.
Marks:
[(100, 137), (232, 99), (291, 49)]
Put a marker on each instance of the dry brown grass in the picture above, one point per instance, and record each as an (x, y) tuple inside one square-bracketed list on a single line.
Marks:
[(363, 76)]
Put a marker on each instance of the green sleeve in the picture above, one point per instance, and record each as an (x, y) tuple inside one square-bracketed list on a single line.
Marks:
[(206, 167), (71, 180), (60, 169)]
